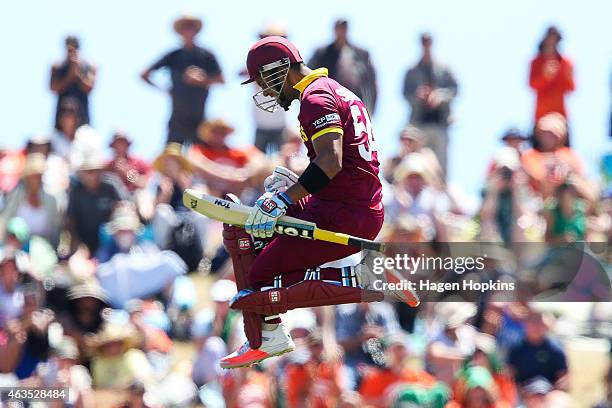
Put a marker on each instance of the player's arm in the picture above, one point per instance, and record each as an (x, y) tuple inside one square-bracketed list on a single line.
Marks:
[(323, 168)]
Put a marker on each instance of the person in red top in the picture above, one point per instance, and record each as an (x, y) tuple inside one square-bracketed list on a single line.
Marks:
[(550, 163), (133, 171), (222, 167), (551, 76), (339, 190), (378, 383), (317, 382)]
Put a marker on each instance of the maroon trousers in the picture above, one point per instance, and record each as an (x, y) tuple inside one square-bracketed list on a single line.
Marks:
[(290, 257)]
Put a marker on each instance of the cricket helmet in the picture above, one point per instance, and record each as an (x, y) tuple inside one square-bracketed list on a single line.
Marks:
[(269, 59)]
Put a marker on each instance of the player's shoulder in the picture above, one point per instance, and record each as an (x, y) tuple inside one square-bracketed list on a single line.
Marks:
[(322, 85), (321, 90)]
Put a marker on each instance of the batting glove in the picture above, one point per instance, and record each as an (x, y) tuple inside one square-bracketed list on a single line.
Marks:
[(280, 180), (268, 209)]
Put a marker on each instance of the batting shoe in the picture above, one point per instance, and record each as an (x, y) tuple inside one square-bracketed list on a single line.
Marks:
[(275, 341), (386, 280)]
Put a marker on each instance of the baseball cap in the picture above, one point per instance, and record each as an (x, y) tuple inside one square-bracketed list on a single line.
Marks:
[(268, 50), (513, 133)]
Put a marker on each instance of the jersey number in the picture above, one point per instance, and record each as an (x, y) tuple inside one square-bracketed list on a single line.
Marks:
[(361, 123)]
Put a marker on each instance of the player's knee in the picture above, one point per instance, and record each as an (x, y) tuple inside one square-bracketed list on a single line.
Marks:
[(257, 275)]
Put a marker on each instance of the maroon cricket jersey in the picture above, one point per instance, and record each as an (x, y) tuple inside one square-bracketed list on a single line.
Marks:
[(326, 106)]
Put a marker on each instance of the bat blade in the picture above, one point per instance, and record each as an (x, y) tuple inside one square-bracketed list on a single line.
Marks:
[(233, 213), (216, 208)]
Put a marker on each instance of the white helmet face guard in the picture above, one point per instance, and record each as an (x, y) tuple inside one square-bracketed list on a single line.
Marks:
[(273, 76)]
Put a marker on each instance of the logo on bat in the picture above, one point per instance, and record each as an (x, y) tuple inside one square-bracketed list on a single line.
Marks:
[(222, 203), (295, 231)]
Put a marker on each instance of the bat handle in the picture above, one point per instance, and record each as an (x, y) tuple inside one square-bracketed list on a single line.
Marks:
[(366, 244)]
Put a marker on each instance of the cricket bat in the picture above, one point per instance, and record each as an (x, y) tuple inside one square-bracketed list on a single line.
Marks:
[(236, 214)]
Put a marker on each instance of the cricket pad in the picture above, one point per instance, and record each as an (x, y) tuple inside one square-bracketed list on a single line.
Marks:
[(310, 293), (242, 252)]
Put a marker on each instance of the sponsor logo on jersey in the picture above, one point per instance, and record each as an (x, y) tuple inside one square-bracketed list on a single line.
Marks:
[(325, 120), (244, 244)]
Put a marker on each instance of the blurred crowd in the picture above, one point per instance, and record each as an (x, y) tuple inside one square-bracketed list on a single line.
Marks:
[(111, 287)]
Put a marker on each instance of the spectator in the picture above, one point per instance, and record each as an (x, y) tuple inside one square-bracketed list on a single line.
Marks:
[(378, 383), (91, 201), (317, 381), (480, 391), (565, 216), (174, 226), (534, 392), (453, 342), (359, 328), (17, 235), (56, 178), (549, 163), (11, 166), (348, 64), (292, 153), (125, 233), (193, 71), (132, 170), (68, 121), (71, 140), (537, 355), (269, 126), (138, 270), (28, 335), (223, 168), (514, 138), (486, 355), (116, 362), (414, 195), (175, 176), (63, 371), (11, 284), (412, 140), (226, 319), (32, 203), (210, 349), (147, 317), (73, 78), (551, 76), (504, 199), (83, 314), (429, 88)]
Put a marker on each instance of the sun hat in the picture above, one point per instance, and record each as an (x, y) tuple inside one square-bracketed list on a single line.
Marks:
[(186, 20)]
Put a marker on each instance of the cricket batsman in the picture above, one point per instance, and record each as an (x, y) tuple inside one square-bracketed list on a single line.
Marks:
[(339, 190)]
